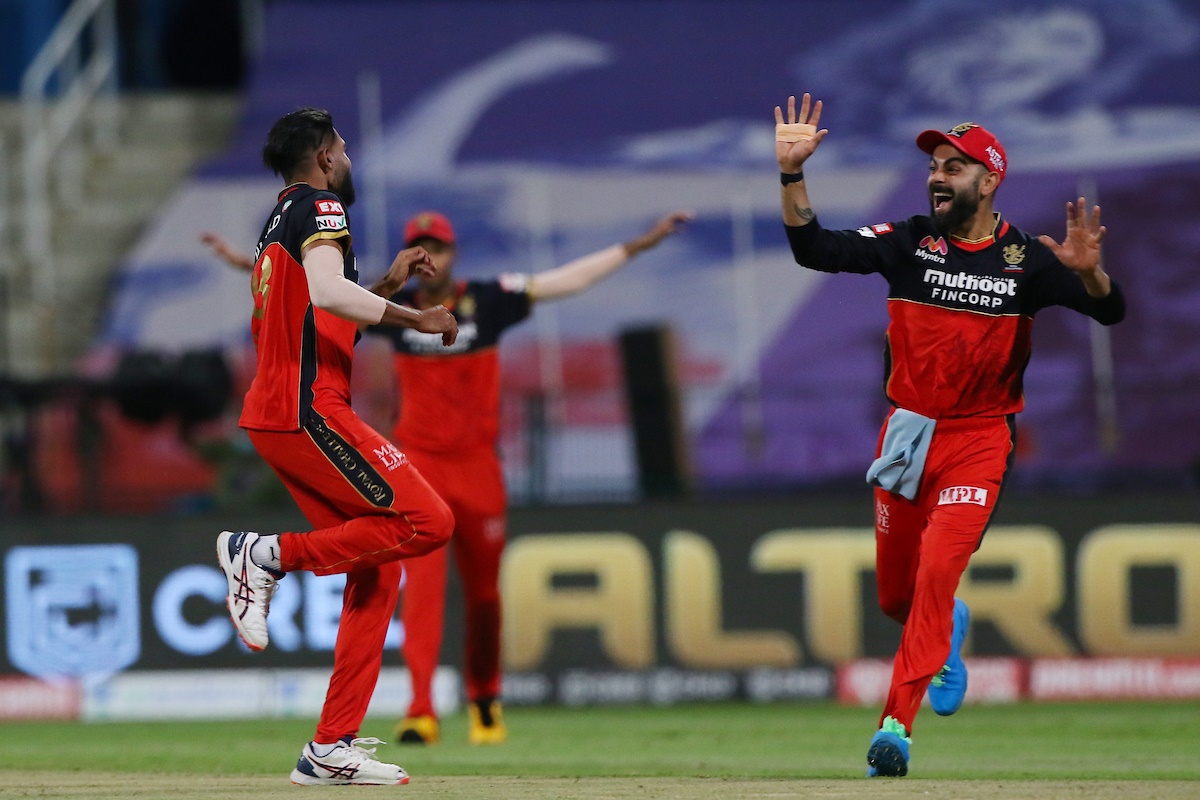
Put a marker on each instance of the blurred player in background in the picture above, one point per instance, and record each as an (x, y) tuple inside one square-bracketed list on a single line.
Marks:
[(964, 286), (455, 447), (371, 507)]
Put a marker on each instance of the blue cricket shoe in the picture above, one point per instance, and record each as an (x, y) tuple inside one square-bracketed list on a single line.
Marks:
[(949, 686), (887, 757)]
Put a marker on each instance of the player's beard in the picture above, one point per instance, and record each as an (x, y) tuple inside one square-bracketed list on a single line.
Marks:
[(344, 188), (962, 207)]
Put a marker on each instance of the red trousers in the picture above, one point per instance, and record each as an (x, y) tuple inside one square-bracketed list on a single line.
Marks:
[(473, 486), (922, 548), (370, 508)]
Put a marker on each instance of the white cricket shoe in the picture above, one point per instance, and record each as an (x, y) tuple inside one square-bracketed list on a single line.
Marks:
[(347, 763), (250, 587)]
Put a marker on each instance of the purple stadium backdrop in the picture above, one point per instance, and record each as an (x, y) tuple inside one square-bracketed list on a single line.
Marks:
[(550, 129)]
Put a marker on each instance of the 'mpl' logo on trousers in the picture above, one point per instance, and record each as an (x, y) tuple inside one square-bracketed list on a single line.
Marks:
[(72, 609)]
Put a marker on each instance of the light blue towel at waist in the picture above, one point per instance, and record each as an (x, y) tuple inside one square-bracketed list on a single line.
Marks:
[(902, 457)]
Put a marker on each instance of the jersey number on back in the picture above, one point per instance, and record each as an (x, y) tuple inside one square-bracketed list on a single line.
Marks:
[(260, 282)]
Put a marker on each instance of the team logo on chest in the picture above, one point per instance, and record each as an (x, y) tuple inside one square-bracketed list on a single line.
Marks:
[(1013, 255), (465, 306)]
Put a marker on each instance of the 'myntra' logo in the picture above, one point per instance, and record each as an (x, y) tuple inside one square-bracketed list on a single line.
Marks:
[(929, 249), (937, 245), (72, 609)]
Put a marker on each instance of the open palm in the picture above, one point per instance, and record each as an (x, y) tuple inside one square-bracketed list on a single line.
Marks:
[(1080, 250), (792, 155)]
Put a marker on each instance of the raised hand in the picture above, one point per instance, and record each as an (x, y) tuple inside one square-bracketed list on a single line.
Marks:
[(792, 155), (670, 224), (1080, 250), (407, 263), (223, 250)]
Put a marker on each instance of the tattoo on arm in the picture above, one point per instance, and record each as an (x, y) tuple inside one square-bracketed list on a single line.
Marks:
[(805, 214)]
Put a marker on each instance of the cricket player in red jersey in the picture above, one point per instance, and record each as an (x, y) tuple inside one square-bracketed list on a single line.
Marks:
[(963, 288), (454, 445), (369, 505)]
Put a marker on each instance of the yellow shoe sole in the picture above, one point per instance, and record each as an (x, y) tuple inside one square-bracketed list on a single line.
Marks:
[(417, 730), (478, 733)]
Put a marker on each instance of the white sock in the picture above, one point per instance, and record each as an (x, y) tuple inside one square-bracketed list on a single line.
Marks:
[(324, 749), (265, 552)]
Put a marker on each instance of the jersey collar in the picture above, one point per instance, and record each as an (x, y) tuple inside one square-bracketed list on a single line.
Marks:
[(289, 189), (460, 288), (973, 245)]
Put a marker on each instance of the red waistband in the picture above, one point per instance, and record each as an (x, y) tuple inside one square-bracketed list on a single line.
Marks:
[(960, 424)]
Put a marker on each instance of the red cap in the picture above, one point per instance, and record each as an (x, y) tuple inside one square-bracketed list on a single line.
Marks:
[(972, 140), (428, 225)]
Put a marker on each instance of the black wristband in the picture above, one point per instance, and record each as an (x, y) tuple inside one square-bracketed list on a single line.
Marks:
[(790, 177)]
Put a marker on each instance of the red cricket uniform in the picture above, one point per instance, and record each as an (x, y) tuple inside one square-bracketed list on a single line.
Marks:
[(453, 443), (369, 504), (958, 340)]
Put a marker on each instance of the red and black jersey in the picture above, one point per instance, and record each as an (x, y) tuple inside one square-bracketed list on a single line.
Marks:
[(304, 353), (450, 396), (961, 313)]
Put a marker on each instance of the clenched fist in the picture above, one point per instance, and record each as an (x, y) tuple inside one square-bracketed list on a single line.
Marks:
[(438, 319)]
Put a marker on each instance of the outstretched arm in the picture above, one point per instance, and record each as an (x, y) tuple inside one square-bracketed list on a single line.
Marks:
[(1080, 250), (223, 250), (582, 273), (797, 138)]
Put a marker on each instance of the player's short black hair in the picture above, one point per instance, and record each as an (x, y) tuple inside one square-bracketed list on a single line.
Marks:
[(294, 138)]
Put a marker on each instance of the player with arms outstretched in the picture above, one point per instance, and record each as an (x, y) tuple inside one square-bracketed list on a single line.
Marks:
[(454, 444), (963, 288)]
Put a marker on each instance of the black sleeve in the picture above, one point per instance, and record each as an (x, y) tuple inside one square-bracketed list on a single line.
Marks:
[(1111, 309), (508, 299), (1058, 285), (321, 215), (862, 251)]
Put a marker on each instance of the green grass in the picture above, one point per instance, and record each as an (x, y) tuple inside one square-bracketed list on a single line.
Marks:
[(1127, 741)]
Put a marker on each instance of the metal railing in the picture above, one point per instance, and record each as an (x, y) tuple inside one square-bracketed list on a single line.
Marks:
[(69, 88)]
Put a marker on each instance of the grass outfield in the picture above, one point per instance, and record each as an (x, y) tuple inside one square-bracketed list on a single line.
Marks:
[(1133, 751)]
